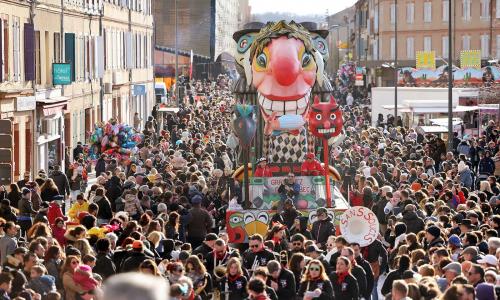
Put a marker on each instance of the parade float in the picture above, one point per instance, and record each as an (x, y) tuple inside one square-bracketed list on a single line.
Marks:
[(285, 112)]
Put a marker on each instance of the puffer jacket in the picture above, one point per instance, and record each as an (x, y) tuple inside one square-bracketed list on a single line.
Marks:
[(132, 205), (322, 229), (466, 177), (413, 222)]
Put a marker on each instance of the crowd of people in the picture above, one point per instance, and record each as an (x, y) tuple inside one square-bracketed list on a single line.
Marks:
[(152, 227)]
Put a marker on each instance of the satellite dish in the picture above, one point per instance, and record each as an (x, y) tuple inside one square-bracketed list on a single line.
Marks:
[(359, 225)]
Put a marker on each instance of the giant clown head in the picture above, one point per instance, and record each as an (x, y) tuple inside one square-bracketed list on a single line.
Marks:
[(284, 70)]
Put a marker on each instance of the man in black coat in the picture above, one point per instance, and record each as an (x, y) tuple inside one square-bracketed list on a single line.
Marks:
[(281, 280), (322, 228), (414, 224), (100, 166), (61, 181), (136, 257), (315, 253), (360, 261), (206, 247), (257, 255), (358, 272), (104, 265)]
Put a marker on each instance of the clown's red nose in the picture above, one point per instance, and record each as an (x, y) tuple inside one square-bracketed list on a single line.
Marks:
[(285, 63)]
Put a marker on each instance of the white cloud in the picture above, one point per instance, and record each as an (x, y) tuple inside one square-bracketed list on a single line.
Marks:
[(300, 7)]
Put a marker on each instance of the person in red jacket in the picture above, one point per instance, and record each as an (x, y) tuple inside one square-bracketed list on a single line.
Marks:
[(311, 166), (262, 169)]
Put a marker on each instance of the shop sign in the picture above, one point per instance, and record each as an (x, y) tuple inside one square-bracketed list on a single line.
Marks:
[(25, 103), (470, 59), (426, 60), (139, 90), (61, 74)]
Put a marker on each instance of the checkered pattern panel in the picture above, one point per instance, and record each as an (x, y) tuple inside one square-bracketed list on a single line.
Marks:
[(288, 148)]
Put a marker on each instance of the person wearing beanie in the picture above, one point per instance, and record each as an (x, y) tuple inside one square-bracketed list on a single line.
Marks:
[(433, 237)]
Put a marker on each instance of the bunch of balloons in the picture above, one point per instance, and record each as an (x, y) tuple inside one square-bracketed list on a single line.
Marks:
[(114, 139)]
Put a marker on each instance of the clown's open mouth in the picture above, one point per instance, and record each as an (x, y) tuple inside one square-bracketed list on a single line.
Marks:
[(289, 107)]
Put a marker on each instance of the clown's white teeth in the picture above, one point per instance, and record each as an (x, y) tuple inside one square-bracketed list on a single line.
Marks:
[(330, 130), (291, 107)]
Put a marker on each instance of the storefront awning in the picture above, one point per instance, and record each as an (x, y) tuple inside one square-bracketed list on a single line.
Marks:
[(53, 106)]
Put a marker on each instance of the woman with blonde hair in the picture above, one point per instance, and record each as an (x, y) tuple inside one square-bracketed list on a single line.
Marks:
[(315, 283), (234, 282), (84, 247), (197, 272), (149, 267)]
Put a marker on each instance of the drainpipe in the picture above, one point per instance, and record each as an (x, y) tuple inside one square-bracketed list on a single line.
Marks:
[(130, 85), (34, 166), (101, 78)]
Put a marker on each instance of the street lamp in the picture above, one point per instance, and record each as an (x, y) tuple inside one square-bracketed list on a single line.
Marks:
[(450, 81), (396, 75)]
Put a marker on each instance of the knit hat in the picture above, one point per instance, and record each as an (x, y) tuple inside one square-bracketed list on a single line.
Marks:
[(138, 245), (455, 267), (434, 230), (485, 291)]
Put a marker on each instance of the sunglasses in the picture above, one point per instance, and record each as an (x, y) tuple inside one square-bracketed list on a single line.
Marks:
[(315, 269), (74, 262), (254, 246)]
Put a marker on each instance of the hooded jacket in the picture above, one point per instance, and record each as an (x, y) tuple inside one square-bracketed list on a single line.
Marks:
[(104, 211), (322, 229), (413, 222), (54, 212)]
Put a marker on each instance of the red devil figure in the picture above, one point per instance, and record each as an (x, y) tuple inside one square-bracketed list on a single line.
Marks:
[(325, 119), (325, 122)]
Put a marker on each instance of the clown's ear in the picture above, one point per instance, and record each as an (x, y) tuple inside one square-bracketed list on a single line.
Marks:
[(320, 67)]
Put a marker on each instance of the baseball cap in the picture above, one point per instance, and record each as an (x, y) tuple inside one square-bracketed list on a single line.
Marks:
[(321, 210), (455, 240), (489, 260), (313, 248), (455, 267), (137, 245)]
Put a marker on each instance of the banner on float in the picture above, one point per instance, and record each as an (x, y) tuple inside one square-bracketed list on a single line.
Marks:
[(470, 59), (425, 60)]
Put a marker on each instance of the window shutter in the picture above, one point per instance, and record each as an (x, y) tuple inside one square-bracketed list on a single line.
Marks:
[(69, 52), (128, 50), (99, 56), (1, 51), (29, 52)]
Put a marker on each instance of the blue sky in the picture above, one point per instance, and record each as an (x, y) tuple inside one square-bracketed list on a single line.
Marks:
[(300, 7)]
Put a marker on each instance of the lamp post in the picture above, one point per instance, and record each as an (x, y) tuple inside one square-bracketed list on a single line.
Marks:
[(396, 63), (176, 90), (450, 82)]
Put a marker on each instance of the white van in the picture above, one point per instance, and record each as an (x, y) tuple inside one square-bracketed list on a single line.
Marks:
[(161, 92)]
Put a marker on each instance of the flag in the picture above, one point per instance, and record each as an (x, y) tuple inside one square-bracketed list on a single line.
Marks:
[(191, 66)]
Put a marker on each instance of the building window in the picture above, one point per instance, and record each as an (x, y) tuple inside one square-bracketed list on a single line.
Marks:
[(485, 45), (485, 9), (16, 36), (38, 63), (498, 46), (393, 13), (427, 12), (465, 42), (375, 19), (375, 49), (410, 13), (445, 11), (444, 46), (427, 43), (498, 9), (410, 49), (466, 10), (393, 48), (57, 47)]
